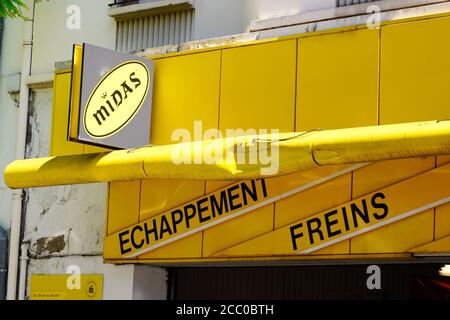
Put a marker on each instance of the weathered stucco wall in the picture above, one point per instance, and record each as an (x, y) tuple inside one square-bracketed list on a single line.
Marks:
[(63, 220), (64, 225)]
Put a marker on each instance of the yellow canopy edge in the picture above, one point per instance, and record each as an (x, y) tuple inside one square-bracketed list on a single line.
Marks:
[(297, 152)]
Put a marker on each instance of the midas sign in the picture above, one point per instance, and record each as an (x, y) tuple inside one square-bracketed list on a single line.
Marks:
[(105, 113), (374, 210), (111, 98)]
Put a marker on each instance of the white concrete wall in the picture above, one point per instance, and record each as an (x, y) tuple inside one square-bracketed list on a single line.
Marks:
[(10, 64), (270, 8), (217, 18), (52, 38)]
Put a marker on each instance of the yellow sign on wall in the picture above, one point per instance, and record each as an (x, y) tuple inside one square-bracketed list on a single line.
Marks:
[(66, 287)]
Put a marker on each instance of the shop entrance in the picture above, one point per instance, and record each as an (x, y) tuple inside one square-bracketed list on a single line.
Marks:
[(348, 282)]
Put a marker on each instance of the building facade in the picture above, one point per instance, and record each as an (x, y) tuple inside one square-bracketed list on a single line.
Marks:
[(215, 59)]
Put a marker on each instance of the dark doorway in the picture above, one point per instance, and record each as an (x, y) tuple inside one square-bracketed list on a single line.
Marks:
[(398, 281)]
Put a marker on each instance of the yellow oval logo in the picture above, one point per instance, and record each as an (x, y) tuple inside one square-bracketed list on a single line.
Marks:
[(116, 99)]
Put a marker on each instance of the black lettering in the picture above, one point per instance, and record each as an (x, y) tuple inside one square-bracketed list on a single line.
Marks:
[(148, 232), (114, 95), (364, 215), (295, 236), (201, 209), (110, 105), (378, 205), (232, 197), (188, 216), (133, 242), (344, 214), (176, 220), (165, 228), (246, 190), (316, 229), (126, 89), (123, 241), (135, 80), (263, 184), (329, 223), (216, 207), (101, 112)]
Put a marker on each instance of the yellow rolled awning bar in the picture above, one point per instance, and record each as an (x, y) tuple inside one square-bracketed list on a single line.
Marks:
[(296, 152)]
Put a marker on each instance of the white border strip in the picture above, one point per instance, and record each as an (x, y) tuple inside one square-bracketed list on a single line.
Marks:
[(304, 187), (378, 225)]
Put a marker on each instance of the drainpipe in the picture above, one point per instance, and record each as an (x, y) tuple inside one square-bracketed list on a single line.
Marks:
[(23, 270), (3, 235), (16, 219), (3, 265)]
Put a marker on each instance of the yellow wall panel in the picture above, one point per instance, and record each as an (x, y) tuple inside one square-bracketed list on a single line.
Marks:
[(377, 176), (441, 160), (384, 173), (186, 89), (212, 186), (414, 71), (258, 86), (237, 230), (311, 201), (290, 182), (257, 91), (61, 97), (337, 83), (189, 247), (158, 196), (396, 237), (442, 222), (123, 205)]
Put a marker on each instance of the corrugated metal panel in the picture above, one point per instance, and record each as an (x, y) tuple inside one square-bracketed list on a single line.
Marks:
[(343, 3), (153, 31)]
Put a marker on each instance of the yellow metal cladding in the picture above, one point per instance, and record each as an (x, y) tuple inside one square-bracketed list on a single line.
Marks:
[(75, 89), (258, 86), (336, 79), (186, 90), (59, 144), (414, 71), (162, 195), (380, 209)]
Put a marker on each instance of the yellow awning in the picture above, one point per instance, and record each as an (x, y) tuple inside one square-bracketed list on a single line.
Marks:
[(297, 152)]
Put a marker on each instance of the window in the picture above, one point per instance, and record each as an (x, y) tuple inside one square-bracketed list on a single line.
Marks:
[(148, 24), (343, 3)]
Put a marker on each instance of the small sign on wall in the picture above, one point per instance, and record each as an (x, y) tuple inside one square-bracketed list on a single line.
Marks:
[(111, 98), (66, 287)]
